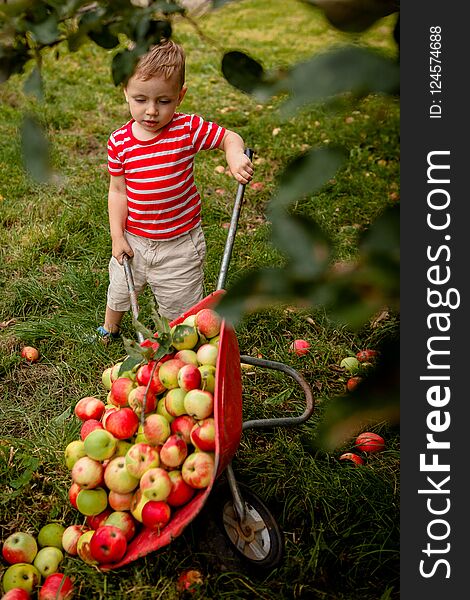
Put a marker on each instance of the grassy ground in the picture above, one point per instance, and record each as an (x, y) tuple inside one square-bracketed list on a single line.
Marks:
[(340, 523)]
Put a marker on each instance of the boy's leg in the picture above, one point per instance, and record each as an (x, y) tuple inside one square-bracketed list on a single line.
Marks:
[(112, 320), (176, 274)]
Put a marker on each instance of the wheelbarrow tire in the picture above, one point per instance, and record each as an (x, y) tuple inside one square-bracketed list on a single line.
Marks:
[(263, 551)]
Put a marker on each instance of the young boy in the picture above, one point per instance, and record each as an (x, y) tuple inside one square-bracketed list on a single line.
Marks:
[(153, 203)]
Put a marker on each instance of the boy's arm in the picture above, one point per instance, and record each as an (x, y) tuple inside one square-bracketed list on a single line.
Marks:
[(238, 162), (117, 211)]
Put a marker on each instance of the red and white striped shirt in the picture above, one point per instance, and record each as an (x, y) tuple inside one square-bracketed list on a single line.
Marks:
[(162, 198)]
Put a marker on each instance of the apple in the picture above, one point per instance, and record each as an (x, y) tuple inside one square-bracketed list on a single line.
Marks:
[(181, 492), (208, 322), (174, 399), (174, 451), (199, 404), (350, 363), (73, 493), (156, 514), (122, 447), (198, 469), (124, 521), (70, 538), (30, 354), (21, 575), (140, 458), (168, 373), (120, 390), (123, 423), (16, 594), (139, 396), (161, 410), (183, 425), (203, 435), (207, 378), (140, 436), (367, 355), (73, 452), (189, 320), (189, 378), (56, 587), (48, 559), (187, 356), (143, 375), (89, 426), (369, 442), (207, 354), (83, 548), (138, 503), (352, 457), (215, 341), (19, 547), (106, 378), (115, 371), (95, 521), (117, 478), (92, 502), (300, 347), (51, 535), (89, 408), (108, 544), (87, 473), (118, 501), (184, 337), (155, 484), (156, 429), (108, 410), (352, 383), (189, 581), (100, 444)]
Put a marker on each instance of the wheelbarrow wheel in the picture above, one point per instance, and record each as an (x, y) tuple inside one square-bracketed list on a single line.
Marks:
[(258, 541)]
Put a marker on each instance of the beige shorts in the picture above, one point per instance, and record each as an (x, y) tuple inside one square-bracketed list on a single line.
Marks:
[(173, 269)]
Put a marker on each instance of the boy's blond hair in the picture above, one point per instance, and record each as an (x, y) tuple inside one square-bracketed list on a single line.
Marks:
[(163, 59)]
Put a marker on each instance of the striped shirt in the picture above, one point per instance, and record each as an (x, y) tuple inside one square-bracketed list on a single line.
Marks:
[(162, 199)]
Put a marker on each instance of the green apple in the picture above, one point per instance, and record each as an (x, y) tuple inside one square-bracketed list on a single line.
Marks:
[(92, 502), (207, 378), (106, 378), (21, 575), (48, 559), (73, 452), (121, 448), (83, 548), (51, 535), (100, 444)]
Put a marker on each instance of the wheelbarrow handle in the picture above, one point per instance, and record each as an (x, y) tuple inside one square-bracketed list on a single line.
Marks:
[(132, 292), (232, 230)]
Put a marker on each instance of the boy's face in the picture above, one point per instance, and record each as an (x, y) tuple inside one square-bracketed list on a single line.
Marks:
[(153, 103)]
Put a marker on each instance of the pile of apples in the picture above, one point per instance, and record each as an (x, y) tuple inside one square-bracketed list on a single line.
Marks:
[(358, 366), (148, 449)]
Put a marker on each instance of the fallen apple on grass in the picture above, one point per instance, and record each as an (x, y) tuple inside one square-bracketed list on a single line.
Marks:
[(89, 408), (369, 442), (300, 347), (355, 458), (48, 559), (108, 544), (20, 547), (189, 581), (21, 575), (353, 382), (351, 364), (367, 355), (117, 477), (83, 548), (56, 587), (17, 594), (30, 354), (70, 538)]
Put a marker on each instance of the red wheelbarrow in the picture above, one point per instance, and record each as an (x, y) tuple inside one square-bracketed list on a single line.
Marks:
[(249, 525)]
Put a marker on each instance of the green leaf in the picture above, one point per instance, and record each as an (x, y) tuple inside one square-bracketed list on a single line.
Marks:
[(242, 71), (12, 60), (45, 32), (104, 38), (355, 16), (129, 363), (23, 479), (60, 419), (123, 65), (35, 149), (34, 85)]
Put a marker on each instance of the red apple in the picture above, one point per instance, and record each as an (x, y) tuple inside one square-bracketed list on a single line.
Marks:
[(70, 538), (203, 435), (89, 408), (138, 396), (183, 425), (352, 457), (168, 373), (89, 426), (352, 383), (124, 521), (108, 544), (156, 429), (143, 375), (187, 356), (198, 469), (208, 322), (123, 423), (156, 514), (56, 587), (30, 354), (118, 501), (87, 473), (181, 492), (120, 390), (174, 451), (155, 484), (95, 521), (199, 404), (20, 547), (189, 378), (300, 347), (369, 442), (16, 594), (140, 458), (108, 410), (174, 399), (73, 493), (367, 355)]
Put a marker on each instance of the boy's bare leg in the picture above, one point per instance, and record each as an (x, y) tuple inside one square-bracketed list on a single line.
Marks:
[(112, 320)]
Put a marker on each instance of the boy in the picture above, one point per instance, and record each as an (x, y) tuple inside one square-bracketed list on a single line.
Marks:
[(153, 203)]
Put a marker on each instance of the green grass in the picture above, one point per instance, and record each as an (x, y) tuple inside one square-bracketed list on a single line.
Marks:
[(340, 523)]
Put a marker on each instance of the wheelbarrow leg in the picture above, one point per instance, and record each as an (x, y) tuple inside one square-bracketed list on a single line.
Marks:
[(238, 502)]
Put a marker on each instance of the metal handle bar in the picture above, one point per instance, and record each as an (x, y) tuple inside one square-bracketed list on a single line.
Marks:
[(283, 421), (232, 230), (132, 292)]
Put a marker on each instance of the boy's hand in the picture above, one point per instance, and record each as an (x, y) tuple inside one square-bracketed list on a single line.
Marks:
[(121, 247), (240, 167)]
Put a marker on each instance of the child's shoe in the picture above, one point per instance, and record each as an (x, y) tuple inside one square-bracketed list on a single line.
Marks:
[(105, 336)]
